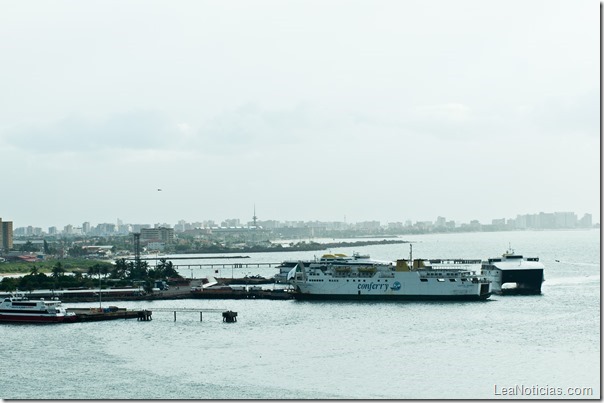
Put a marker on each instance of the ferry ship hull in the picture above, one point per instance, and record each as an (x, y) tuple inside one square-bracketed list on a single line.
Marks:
[(347, 297), (468, 292)]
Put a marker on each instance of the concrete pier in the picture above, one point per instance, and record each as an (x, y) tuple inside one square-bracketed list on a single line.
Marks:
[(110, 313)]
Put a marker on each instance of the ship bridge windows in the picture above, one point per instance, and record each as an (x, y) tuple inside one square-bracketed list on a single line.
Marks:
[(24, 304)]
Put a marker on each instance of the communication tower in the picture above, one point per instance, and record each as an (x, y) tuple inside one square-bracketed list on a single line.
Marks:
[(254, 218)]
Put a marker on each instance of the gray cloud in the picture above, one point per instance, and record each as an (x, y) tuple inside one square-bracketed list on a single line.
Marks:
[(290, 97), (253, 127), (574, 114), (133, 130)]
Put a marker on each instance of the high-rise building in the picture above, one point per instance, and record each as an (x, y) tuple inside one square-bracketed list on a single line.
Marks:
[(565, 219), (231, 222), (6, 235), (157, 234), (586, 221)]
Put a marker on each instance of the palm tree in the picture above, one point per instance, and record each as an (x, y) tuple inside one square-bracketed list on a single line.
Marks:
[(104, 269), (94, 269), (58, 270), (139, 270), (166, 269), (120, 269), (170, 271)]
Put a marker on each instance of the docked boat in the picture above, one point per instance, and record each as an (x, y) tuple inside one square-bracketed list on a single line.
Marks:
[(525, 273), (359, 277), (17, 308)]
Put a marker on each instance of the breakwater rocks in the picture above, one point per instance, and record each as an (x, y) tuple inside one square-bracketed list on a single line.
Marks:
[(296, 247), (359, 243)]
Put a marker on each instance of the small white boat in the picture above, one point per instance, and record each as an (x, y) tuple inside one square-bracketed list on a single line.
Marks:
[(17, 308)]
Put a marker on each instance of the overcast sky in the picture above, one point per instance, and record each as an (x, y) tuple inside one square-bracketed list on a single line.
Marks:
[(311, 110)]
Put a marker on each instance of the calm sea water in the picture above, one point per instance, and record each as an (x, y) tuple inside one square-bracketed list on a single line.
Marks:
[(341, 350)]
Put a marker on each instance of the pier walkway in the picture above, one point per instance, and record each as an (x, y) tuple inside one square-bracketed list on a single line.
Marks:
[(201, 311), (112, 313), (226, 265)]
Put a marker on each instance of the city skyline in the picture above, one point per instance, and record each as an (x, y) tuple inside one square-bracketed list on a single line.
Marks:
[(567, 219)]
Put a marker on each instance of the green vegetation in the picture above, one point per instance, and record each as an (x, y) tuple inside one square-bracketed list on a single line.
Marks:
[(46, 266), (121, 273)]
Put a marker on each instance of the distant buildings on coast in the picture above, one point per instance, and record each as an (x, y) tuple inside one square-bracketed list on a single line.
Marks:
[(166, 232), (184, 236), (558, 220)]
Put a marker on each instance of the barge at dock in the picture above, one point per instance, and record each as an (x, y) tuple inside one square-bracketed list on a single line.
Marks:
[(212, 288), (235, 292), (110, 313)]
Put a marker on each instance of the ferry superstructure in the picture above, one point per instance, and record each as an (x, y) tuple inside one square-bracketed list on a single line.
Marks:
[(359, 277), (526, 273), (17, 308)]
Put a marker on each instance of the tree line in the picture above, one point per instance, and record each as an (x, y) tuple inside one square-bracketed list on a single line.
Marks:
[(122, 273)]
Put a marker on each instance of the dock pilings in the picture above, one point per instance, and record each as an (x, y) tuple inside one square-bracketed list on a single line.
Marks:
[(229, 316), (144, 315)]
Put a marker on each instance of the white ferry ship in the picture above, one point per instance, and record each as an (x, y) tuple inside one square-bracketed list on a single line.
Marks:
[(525, 273), (17, 308), (359, 277)]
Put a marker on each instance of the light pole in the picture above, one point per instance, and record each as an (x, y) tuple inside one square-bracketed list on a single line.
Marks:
[(100, 293)]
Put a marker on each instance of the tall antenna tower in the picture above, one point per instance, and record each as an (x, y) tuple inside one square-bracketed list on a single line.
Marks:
[(254, 218)]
